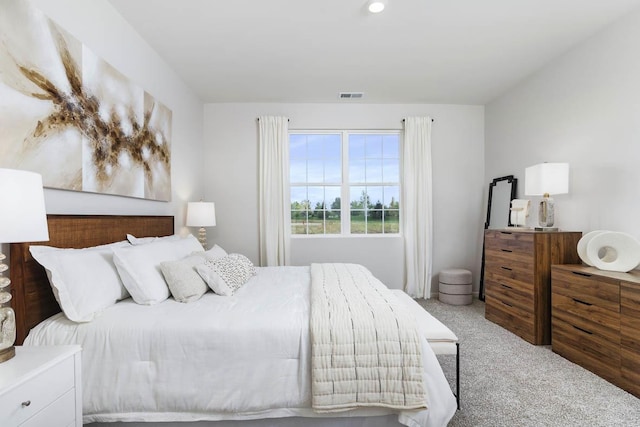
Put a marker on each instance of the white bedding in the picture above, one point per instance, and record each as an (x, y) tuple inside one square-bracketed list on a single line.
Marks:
[(241, 357)]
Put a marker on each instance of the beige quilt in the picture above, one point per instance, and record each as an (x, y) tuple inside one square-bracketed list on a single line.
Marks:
[(366, 350)]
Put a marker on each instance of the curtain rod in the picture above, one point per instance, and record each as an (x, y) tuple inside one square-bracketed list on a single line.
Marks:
[(258, 119)]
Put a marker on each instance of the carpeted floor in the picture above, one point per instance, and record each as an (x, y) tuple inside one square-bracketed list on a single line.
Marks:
[(506, 381)]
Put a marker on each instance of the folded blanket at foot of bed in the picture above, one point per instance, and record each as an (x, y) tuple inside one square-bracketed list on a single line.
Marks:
[(366, 349)]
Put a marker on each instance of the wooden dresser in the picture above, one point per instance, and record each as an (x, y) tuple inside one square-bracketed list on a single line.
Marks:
[(596, 322), (517, 278)]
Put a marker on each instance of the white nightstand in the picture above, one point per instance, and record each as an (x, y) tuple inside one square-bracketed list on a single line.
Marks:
[(41, 387)]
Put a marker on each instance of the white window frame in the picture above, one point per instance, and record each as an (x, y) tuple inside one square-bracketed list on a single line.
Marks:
[(345, 210)]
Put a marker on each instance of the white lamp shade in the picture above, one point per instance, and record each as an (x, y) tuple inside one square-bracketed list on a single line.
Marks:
[(201, 214), (550, 178), (23, 217)]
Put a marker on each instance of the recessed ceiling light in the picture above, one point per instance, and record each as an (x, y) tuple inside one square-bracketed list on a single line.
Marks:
[(376, 6)]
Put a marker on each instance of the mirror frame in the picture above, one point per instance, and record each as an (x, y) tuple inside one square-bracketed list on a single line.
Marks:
[(514, 186)]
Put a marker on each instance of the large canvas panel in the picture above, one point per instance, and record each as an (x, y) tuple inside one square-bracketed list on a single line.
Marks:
[(71, 116)]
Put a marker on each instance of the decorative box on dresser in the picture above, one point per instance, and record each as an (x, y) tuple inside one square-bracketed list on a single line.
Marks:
[(41, 387), (517, 278), (596, 322)]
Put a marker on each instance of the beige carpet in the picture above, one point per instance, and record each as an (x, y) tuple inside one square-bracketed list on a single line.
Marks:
[(506, 381)]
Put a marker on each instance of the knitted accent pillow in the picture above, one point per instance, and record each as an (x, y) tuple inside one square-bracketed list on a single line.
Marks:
[(227, 274)]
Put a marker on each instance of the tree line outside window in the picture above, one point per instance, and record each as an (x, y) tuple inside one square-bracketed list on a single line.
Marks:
[(329, 167)]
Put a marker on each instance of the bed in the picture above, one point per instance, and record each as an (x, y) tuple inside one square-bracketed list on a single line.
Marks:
[(245, 358)]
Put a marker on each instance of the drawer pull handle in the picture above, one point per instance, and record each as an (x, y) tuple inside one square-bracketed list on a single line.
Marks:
[(581, 302), (26, 403), (579, 273), (506, 232), (506, 268), (506, 250), (506, 286), (583, 330), (508, 305)]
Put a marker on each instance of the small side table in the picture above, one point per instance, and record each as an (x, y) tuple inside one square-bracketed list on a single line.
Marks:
[(41, 387)]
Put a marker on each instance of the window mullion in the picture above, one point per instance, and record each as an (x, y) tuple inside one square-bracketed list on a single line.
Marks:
[(345, 205)]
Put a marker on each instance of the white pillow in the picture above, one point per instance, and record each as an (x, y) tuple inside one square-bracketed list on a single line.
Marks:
[(184, 282), (214, 253), (144, 240), (226, 275), (139, 266), (84, 281)]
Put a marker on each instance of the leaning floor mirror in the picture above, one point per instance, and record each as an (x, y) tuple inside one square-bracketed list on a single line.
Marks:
[(502, 191)]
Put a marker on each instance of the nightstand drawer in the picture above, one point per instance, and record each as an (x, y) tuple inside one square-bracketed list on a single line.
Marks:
[(602, 291), (37, 393), (60, 413), (509, 242)]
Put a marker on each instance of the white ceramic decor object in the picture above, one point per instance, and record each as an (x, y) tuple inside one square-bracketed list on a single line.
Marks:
[(614, 251), (582, 246)]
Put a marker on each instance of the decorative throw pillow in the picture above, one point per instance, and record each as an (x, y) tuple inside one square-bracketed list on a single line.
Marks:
[(227, 274), (184, 282), (214, 253), (84, 281), (139, 266)]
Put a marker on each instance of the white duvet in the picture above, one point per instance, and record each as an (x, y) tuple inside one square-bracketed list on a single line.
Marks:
[(241, 357)]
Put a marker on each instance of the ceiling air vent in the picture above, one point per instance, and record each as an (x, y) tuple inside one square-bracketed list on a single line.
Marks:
[(350, 95)]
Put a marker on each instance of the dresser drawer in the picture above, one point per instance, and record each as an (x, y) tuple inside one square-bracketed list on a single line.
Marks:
[(630, 336), (510, 271), (514, 293), (630, 371), (630, 316), (518, 321), (586, 348), (509, 242), (591, 317), (600, 291), (37, 393)]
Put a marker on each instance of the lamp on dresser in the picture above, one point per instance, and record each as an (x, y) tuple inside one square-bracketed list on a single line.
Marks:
[(546, 179), (201, 214), (23, 218)]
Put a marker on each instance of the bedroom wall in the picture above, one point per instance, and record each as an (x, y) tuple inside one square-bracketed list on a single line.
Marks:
[(584, 109), (102, 29), (231, 175)]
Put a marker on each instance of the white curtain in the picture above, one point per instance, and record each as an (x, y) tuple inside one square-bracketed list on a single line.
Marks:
[(417, 206), (275, 223)]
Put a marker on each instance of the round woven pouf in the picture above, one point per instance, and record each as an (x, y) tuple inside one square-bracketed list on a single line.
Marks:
[(455, 286)]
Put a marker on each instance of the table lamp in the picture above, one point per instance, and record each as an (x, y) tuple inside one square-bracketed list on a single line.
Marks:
[(546, 179), (201, 214), (23, 218)]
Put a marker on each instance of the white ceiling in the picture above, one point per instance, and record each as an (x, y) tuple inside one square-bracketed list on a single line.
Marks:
[(416, 51)]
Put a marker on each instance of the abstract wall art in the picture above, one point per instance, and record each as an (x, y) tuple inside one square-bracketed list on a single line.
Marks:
[(72, 117)]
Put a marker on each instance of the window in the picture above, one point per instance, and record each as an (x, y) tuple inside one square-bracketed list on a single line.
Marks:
[(361, 167)]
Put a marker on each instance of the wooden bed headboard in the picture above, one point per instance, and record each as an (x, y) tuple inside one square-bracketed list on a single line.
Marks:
[(33, 299)]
